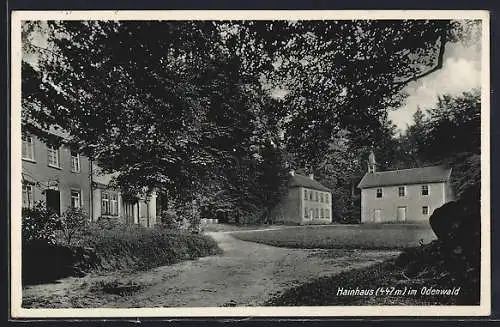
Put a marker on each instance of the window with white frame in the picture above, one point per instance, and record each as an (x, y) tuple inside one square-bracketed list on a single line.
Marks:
[(425, 189), (114, 204), (305, 194), (327, 213), (75, 162), (379, 192), (316, 215), (305, 212), (76, 199), (321, 198), (401, 190), (316, 196), (105, 208), (310, 195), (425, 210), (28, 148), (53, 156), (322, 213), (327, 198), (28, 196)]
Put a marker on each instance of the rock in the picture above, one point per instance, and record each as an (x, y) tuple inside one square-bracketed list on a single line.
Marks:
[(457, 224)]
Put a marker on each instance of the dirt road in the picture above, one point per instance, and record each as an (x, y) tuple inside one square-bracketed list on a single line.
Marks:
[(246, 274)]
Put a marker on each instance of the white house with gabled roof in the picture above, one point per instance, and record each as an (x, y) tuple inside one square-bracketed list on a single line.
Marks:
[(307, 202), (405, 195)]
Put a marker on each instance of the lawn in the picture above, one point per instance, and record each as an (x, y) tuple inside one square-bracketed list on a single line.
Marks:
[(231, 228), (386, 236)]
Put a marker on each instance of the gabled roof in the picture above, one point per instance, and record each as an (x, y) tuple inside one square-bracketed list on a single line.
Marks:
[(430, 174), (304, 181)]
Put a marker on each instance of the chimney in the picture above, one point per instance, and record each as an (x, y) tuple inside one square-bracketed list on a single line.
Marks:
[(292, 172), (311, 176)]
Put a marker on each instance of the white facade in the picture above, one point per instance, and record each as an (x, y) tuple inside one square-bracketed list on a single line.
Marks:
[(402, 203)]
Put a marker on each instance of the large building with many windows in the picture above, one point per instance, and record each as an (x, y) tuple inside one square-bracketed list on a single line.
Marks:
[(405, 195), (62, 178), (306, 202)]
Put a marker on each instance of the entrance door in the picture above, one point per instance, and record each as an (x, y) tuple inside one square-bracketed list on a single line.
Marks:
[(377, 214), (401, 213), (53, 200)]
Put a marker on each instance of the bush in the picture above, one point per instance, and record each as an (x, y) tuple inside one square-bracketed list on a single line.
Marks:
[(40, 223), (137, 247), (169, 219), (74, 221)]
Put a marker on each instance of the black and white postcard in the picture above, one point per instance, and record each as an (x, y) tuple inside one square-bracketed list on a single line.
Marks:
[(250, 163)]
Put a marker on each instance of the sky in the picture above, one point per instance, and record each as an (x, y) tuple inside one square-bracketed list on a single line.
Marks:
[(461, 72)]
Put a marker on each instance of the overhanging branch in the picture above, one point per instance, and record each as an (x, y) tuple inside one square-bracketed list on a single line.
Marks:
[(438, 66)]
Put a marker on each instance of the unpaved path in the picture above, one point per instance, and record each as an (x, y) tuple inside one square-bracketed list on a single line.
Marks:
[(246, 274)]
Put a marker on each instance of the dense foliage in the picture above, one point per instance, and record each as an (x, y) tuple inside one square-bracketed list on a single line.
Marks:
[(39, 224), (449, 134)]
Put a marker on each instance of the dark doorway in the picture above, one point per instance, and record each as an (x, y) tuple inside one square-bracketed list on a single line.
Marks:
[(53, 200)]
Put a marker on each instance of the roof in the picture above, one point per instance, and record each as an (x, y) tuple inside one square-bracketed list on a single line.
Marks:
[(303, 181), (432, 174)]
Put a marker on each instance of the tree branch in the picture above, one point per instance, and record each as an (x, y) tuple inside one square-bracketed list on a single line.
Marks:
[(438, 65)]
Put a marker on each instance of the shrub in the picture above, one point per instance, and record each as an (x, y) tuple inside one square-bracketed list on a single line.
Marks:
[(74, 221), (137, 247), (169, 219), (39, 223)]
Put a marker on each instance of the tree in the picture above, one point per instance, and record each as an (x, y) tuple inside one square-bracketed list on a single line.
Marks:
[(450, 134), (185, 106)]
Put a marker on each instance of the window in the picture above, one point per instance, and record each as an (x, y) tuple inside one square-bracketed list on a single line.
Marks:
[(327, 213), (401, 191), (28, 149), (425, 210), (316, 196), (114, 204), (379, 193), (305, 212), (105, 208), (53, 156), (28, 196), (316, 213), (327, 198), (76, 201), (322, 213), (310, 195), (305, 194), (75, 162), (425, 189), (321, 197)]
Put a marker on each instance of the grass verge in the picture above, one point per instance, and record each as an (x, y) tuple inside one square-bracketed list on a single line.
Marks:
[(388, 236)]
